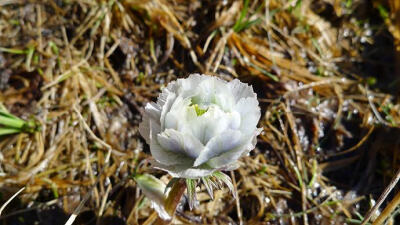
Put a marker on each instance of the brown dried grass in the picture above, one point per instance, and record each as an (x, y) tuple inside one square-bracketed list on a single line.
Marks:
[(84, 69)]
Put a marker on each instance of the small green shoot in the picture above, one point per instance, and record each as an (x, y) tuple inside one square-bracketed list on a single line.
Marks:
[(314, 174), (242, 25), (386, 109), (29, 55), (10, 124), (14, 22), (28, 52), (371, 81), (270, 75), (383, 11), (349, 4), (317, 46), (152, 50), (296, 9), (13, 51), (53, 47), (140, 78)]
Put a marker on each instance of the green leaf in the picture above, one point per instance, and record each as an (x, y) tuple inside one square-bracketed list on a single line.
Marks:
[(7, 131), (29, 55), (13, 51), (4, 112), (208, 184), (11, 121), (248, 24), (54, 47), (152, 187), (383, 11), (191, 192), (12, 124), (317, 46), (3, 108), (243, 13), (270, 75), (226, 180)]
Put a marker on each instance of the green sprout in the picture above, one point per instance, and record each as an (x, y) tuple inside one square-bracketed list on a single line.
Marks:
[(386, 109), (10, 124), (242, 24), (383, 12)]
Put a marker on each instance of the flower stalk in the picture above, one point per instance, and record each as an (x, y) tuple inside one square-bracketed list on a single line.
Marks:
[(172, 201)]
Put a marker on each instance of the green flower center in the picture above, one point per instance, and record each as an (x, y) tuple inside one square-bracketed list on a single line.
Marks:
[(199, 111)]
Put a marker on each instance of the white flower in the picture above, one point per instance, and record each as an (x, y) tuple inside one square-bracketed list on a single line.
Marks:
[(201, 125)]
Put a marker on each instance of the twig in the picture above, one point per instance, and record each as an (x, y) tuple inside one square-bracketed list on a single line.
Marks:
[(389, 209), (382, 198), (237, 200), (10, 199)]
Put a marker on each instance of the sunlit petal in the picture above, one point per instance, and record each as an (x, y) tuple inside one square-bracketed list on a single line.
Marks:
[(181, 143), (218, 145)]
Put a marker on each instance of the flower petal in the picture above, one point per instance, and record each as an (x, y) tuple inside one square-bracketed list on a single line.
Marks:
[(178, 113), (144, 128), (153, 111), (211, 124), (249, 113), (241, 90), (185, 170), (160, 154), (219, 122), (178, 142), (165, 100), (207, 89), (218, 145), (231, 156), (188, 87), (224, 100)]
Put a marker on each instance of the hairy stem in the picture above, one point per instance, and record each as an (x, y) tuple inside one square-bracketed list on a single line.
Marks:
[(172, 201)]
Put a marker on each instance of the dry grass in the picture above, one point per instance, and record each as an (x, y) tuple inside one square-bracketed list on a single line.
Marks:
[(83, 69)]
